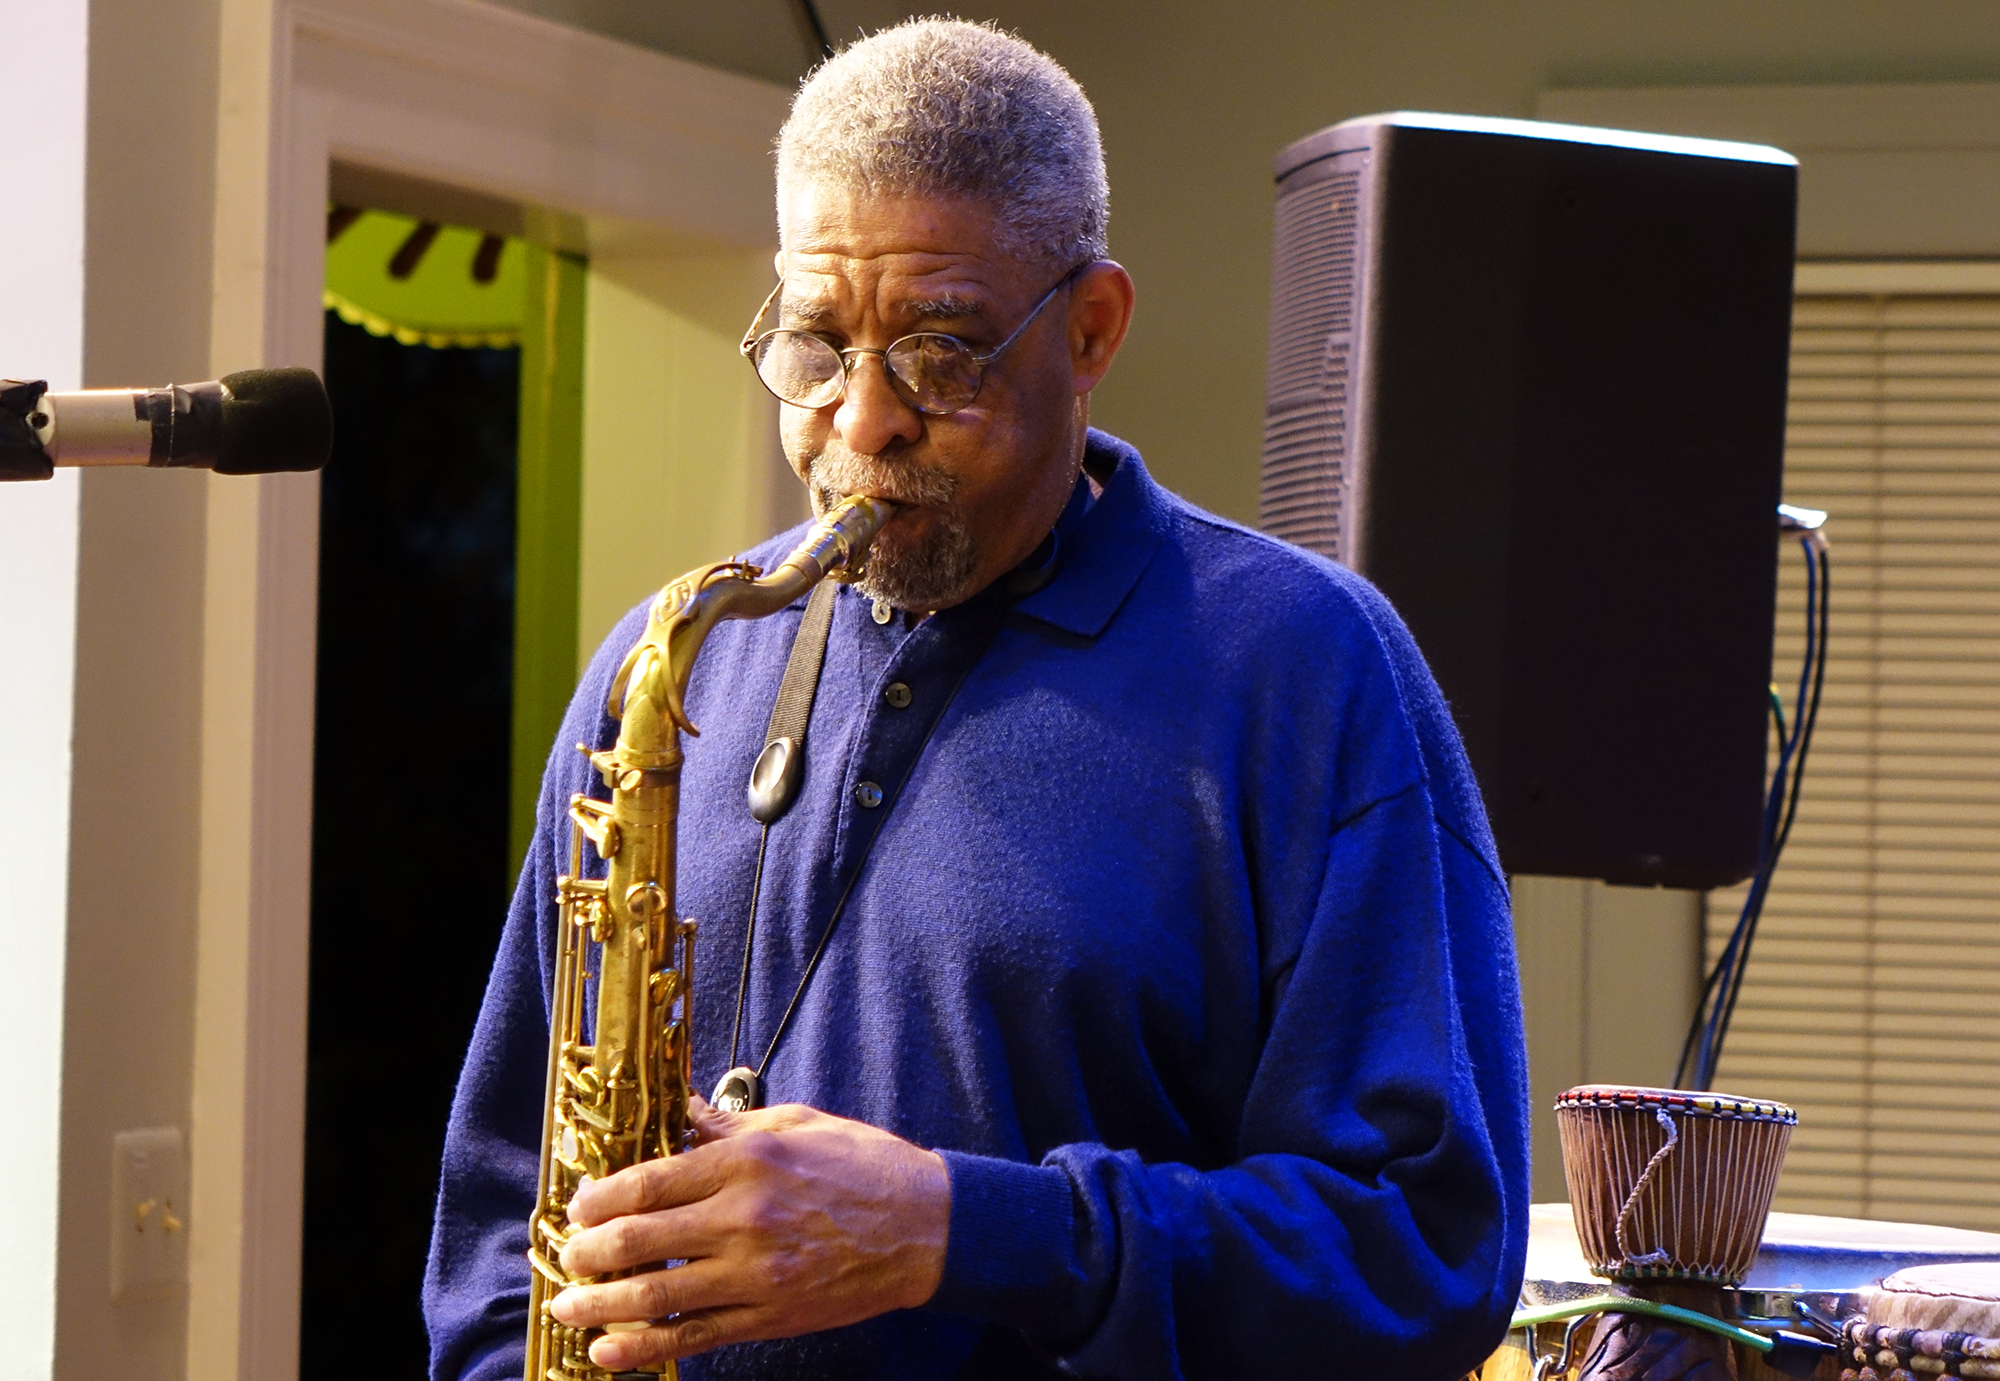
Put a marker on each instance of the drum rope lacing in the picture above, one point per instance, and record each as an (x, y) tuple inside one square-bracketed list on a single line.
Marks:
[(1618, 1231)]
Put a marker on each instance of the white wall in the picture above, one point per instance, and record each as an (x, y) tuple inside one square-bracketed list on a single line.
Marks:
[(43, 110)]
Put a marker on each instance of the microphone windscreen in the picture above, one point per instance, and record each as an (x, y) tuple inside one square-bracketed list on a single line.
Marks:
[(274, 420)]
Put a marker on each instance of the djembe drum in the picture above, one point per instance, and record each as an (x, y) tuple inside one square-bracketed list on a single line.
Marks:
[(1669, 1185), (1670, 1190), (1929, 1321)]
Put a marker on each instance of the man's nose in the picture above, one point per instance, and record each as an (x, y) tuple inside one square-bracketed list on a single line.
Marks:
[(871, 417)]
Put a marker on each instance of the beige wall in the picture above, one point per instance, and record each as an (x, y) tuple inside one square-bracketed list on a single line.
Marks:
[(1195, 98), (186, 751), (1608, 981), (680, 459)]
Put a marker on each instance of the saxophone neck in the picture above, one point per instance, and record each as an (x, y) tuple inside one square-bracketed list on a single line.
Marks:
[(659, 665)]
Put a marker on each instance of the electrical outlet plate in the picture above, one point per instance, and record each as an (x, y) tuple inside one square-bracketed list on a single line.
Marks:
[(148, 1214)]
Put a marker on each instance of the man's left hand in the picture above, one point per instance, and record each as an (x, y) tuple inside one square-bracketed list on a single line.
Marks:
[(789, 1221)]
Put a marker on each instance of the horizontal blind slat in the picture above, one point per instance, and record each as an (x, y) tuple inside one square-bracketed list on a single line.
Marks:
[(1869, 1004)]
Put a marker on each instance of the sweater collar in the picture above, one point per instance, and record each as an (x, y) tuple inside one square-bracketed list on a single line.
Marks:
[(1105, 544)]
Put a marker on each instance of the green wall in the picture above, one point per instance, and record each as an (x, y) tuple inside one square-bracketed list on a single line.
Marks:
[(548, 523)]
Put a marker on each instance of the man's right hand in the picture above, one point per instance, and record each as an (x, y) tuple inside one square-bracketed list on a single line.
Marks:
[(789, 1220)]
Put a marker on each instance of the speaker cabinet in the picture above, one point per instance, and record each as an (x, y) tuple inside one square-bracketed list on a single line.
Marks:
[(1530, 380)]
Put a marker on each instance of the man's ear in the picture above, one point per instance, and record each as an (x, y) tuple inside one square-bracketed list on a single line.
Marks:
[(1100, 312)]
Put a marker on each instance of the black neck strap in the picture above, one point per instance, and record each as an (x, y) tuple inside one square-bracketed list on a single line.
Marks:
[(780, 767), (774, 781)]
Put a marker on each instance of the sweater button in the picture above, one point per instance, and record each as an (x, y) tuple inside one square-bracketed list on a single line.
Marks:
[(897, 694), (883, 611), (868, 795)]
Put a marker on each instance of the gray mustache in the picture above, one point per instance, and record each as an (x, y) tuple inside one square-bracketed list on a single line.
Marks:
[(835, 476)]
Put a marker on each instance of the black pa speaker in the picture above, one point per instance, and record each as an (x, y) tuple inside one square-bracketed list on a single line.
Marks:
[(1530, 380)]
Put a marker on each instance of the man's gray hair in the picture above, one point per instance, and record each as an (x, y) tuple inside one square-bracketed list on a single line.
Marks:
[(945, 108)]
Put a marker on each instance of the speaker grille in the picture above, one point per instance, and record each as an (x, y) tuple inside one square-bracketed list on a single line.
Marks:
[(1306, 415)]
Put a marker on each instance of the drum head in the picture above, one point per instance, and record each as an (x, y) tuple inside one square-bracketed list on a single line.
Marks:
[(1805, 1251), (1960, 1298)]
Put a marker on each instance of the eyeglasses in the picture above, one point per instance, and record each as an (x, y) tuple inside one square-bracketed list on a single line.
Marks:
[(934, 373)]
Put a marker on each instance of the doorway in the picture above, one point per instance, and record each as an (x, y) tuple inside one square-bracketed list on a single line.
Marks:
[(441, 575)]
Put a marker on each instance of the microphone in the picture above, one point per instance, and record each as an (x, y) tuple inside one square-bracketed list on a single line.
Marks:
[(258, 422)]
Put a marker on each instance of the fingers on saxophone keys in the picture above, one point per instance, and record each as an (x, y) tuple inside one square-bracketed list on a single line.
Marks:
[(645, 1188), (653, 1295), (680, 1234), (619, 1245), (670, 1338)]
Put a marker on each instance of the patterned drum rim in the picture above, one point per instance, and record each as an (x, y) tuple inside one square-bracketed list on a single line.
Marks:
[(1729, 1105)]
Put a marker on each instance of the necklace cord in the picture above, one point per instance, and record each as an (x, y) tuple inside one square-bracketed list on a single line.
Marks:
[(791, 716), (860, 865), (749, 938)]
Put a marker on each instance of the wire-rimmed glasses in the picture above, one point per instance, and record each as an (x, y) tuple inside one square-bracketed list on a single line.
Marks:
[(934, 373)]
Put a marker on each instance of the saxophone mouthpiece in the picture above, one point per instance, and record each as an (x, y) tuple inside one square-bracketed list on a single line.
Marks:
[(839, 541)]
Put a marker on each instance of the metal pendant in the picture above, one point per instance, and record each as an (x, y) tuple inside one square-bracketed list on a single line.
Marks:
[(740, 1090)]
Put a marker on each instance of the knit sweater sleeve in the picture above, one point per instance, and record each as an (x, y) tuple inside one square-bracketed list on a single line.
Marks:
[(1377, 1202), (476, 1281)]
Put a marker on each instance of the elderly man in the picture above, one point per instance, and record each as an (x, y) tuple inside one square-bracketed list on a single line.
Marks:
[(1131, 985)]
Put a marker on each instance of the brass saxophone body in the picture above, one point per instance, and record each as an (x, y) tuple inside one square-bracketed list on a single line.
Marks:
[(623, 1097)]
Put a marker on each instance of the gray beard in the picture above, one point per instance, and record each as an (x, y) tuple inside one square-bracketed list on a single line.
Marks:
[(936, 573)]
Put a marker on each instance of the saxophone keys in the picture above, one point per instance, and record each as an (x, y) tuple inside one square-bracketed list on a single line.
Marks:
[(585, 1082)]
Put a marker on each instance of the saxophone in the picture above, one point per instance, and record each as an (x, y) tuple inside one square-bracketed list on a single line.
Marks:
[(623, 1098)]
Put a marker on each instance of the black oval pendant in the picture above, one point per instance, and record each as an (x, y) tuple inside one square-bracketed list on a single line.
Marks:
[(740, 1090)]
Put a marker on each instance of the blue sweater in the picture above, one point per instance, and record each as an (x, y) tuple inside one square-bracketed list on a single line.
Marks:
[(1178, 931)]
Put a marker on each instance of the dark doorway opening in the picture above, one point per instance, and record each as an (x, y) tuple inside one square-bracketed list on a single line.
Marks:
[(410, 815)]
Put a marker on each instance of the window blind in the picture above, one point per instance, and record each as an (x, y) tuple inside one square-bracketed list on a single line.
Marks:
[(1872, 999)]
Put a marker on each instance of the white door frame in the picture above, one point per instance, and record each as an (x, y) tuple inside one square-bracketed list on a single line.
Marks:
[(613, 144)]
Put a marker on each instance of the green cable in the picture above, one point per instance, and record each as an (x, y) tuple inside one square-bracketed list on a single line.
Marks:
[(1624, 1304)]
